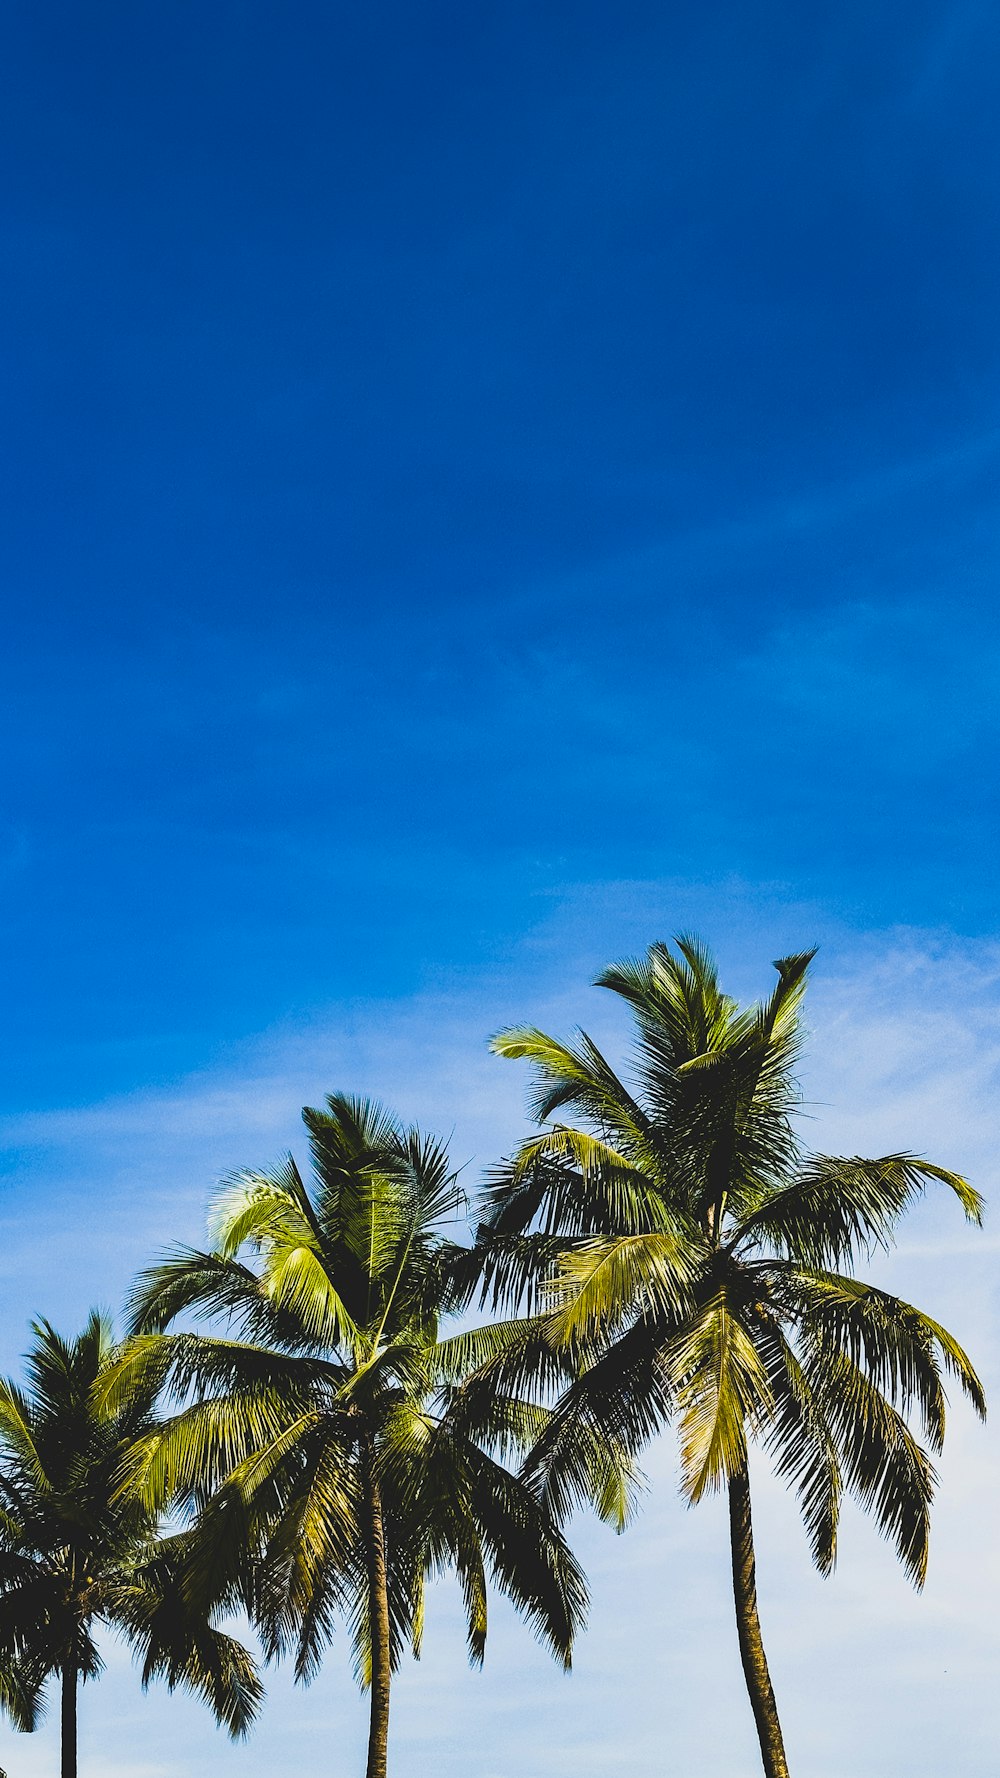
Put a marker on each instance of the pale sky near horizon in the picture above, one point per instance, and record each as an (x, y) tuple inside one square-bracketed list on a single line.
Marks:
[(487, 488)]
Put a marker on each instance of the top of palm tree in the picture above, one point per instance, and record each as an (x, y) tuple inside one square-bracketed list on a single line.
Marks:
[(76, 1550), (679, 1238), (329, 1377), (706, 1132)]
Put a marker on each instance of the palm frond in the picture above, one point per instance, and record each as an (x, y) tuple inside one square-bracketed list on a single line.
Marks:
[(183, 1648), (207, 1286), (600, 1284), (16, 1434), (801, 1445), (620, 1400), (899, 1347), (722, 1391), (299, 1284), (836, 1207), (614, 1193), (883, 1465), (581, 1077)]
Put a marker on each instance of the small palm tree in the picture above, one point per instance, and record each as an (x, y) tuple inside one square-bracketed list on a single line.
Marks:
[(704, 1277), (75, 1552), (333, 1454)]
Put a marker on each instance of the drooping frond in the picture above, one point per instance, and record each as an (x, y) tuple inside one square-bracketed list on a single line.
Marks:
[(900, 1349), (883, 1465), (503, 1356), (299, 1283), (16, 1436), (722, 1391), (612, 1193), (586, 1454), (526, 1552), (512, 1269), (22, 1692), (312, 1556), (204, 1364), (837, 1207), (184, 1648), (546, 1193), (208, 1287), (800, 1443)]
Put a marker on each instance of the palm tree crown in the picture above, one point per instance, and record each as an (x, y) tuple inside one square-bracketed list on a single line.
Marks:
[(704, 1273), (331, 1440), (76, 1552)]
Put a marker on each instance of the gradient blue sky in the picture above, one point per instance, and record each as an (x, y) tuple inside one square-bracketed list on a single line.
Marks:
[(487, 486)]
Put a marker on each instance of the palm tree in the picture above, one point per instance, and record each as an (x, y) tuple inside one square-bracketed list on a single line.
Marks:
[(330, 1448), (705, 1277), (75, 1552)]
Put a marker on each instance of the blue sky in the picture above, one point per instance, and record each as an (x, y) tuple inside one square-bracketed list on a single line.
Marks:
[(487, 487)]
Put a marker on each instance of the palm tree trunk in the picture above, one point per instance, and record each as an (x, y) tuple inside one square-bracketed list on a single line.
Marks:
[(378, 1615), (68, 1720), (765, 1710)]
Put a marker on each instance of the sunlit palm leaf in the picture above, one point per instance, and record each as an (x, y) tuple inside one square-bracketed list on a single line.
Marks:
[(601, 1284), (722, 1390)]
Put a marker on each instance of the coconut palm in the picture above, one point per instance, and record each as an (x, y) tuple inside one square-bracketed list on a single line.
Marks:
[(706, 1276), (76, 1553), (324, 1436)]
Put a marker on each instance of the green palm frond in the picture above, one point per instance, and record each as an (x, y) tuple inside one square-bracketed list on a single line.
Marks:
[(577, 1464), (436, 1193), (364, 1185), (183, 1648), (837, 1207), (16, 1436), (602, 1283), (471, 1571), (800, 1443), (199, 1448), (528, 1555), (618, 1192), (722, 1391), (256, 1209), (883, 1465), (482, 1349), (503, 1358), (513, 1269), (22, 1692), (299, 1284), (679, 1009), (579, 1077), (900, 1349), (77, 1547), (606, 1414)]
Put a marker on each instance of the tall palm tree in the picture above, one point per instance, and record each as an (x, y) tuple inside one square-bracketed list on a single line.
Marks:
[(704, 1276), (75, 1552), (325, 1438)]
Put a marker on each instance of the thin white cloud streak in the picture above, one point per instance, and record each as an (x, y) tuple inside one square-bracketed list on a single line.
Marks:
[(871, 1677)]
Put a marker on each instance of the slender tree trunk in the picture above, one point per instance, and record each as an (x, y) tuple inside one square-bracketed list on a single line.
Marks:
[(68, 1720), (765, 1710), (378, 1612)]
